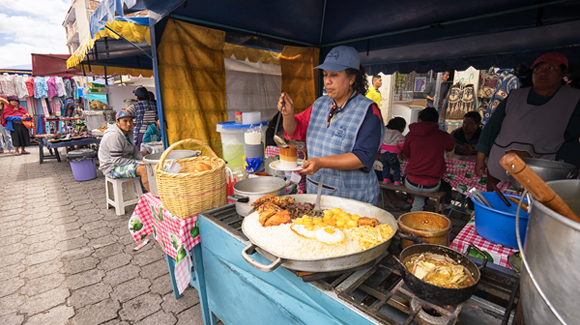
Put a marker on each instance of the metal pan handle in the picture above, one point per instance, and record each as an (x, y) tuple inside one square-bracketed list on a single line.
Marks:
[(239, 198), (259, 266), (411, 237), (480, 252)]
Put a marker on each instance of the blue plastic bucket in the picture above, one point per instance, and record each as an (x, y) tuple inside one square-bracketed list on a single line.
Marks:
[(498, 225), (84, 170)]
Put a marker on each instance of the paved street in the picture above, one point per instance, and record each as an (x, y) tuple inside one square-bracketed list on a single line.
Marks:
[(65, 259)]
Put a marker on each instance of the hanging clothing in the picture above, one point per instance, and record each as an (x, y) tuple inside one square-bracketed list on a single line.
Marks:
[(51, 84), (41, 87), (68, 88), (30, 87), (506, 82), (461, 100), (20, 82), (8, 86), (60, 89)]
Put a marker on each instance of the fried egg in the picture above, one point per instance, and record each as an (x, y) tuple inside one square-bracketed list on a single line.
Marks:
[(330, 235), (303, 231)]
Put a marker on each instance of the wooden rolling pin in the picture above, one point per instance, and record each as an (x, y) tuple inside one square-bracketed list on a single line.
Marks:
[(535, 185)]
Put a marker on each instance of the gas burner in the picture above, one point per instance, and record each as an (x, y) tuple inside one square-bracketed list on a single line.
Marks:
[(425, 318)]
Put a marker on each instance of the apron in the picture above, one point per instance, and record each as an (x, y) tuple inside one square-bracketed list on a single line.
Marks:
[(323, 140), (548, 121)]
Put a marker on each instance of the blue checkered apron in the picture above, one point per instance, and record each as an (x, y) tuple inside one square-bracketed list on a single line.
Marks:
[(338, 138)]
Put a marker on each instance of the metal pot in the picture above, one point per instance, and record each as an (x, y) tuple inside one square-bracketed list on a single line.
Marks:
[(249, 190), (432, 293), (548, 170), (151, 160), (336, 263), (551, 261), (432, 227)]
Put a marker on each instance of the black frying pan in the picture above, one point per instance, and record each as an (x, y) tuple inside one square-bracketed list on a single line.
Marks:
[(432, 293)]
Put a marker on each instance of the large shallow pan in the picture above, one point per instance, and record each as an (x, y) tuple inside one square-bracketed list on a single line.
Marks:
[(336, 263), (435, 294)]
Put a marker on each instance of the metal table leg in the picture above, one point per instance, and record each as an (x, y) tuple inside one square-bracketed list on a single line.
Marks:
[(41, 151), (171, 266), (197, 281)]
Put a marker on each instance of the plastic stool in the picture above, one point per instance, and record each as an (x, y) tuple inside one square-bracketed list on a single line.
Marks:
[(115, 195)]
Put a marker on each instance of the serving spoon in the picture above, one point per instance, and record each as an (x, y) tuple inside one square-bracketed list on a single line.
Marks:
[(279, 141)]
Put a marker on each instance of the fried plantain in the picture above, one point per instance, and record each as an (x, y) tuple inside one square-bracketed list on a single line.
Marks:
[(366, 221)]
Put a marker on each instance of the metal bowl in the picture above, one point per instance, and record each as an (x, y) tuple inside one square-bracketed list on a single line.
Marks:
[(548, 170)]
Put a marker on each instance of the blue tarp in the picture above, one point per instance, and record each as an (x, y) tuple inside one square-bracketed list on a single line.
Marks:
[(390, 35)]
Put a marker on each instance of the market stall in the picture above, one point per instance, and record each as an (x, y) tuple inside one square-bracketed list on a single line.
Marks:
[(500, 35)]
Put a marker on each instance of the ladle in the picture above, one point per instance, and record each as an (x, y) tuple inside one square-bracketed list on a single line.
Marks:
[(279, 141), (535, 185)]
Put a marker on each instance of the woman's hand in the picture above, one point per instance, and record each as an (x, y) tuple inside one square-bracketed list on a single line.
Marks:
[(311, 166), (23, 118), (480, 164), (286, 105)]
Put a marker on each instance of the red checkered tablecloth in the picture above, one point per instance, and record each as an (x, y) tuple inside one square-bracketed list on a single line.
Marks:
[(274, 152), (170, 231), (468, 236), (459, 173)]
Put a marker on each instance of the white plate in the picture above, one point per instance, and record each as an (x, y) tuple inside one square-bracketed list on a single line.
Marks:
[(275, 165)]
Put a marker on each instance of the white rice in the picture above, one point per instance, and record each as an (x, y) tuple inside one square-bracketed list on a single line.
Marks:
[(282, 241)]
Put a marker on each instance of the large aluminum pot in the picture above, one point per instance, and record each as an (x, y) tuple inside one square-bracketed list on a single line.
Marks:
[(151, 160), (336, 263), (551, 258), (250, 189), (548, 170)]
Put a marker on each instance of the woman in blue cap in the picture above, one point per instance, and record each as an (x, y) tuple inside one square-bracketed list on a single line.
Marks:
[(343, 130)]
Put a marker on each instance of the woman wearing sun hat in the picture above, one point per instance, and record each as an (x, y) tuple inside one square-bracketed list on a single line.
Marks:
[(343, 130), (12, 117)]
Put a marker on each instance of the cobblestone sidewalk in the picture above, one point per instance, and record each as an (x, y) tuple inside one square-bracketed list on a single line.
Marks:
[(65, 259)]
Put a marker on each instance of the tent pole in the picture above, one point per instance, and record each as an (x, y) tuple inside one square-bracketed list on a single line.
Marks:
[(158, 88), (322, 23)]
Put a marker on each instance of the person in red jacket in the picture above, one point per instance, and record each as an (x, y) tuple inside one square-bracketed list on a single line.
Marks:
[(425, 147)]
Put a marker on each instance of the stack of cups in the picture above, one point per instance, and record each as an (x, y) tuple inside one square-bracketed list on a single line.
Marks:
[(254, 152)]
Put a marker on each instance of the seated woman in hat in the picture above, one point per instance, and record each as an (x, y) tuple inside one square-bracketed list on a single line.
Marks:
[(539, 122), (117, 154), (12, 117), (343, 130)]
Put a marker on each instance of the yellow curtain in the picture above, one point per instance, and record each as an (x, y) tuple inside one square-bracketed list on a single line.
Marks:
[(241, 53), (193, 83), (298, 78), (100, 70)]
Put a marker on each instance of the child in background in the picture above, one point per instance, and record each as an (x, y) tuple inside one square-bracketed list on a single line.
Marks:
[(392, 145), (153, 133)]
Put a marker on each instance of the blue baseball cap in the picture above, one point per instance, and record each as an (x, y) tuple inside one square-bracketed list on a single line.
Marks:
[(341, 58), (124, 113)]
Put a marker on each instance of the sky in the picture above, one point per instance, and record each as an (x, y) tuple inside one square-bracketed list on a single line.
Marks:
[(31, 26)]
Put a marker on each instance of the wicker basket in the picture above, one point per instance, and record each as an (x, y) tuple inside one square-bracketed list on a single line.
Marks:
[(186, 194)]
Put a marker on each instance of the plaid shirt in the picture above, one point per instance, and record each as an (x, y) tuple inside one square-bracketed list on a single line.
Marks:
[(140, 109)]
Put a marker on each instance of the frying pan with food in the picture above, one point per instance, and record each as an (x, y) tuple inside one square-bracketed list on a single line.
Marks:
[(432, 293)]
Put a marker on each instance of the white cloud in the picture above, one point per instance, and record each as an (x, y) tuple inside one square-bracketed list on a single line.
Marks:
[(31, 26)]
